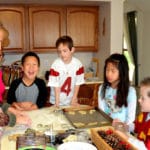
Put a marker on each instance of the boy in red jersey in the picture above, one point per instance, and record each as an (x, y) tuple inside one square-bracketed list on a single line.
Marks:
[(141, 125), (66, 74)]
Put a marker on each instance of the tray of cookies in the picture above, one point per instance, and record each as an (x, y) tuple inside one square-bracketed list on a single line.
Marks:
[(87, 118)]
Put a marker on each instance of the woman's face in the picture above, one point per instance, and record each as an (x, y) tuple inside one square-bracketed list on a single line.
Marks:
[(1, 55), (2, 36)]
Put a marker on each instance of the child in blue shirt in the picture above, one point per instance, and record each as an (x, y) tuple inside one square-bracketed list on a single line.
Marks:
[(115, 96)]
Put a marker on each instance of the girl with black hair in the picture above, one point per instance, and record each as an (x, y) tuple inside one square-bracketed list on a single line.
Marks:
[(115, 96)]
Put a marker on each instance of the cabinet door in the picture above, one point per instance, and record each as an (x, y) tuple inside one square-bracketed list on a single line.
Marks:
[(82, 26), (13, 19), (46, 25)]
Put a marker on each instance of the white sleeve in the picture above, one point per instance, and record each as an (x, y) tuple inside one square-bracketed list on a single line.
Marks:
[(137, 143), (54, 79), (100, 101), (131, 127), (80, 77), (132, 101)]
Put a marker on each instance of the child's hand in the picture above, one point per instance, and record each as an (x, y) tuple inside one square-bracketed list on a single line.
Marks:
[(17, 106), (24, 106), (115, 121), (14, 110), (23, 119), (120, 126), (75, 103), (56, 105)]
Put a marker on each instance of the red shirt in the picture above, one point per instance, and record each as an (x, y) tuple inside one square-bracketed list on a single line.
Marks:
[(142, 128)]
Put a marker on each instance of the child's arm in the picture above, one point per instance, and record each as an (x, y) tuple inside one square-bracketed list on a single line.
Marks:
[(74, 100), (23, 119), (24, 106), (57, 96)]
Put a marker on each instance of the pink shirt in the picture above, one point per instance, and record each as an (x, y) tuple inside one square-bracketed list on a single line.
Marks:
[(2, 87)]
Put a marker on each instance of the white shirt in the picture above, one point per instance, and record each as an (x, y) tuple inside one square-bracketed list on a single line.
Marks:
[(65, 76), (108, 105)]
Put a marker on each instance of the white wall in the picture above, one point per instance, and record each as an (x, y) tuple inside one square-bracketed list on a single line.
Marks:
[(104, 44), (116, 26), (143, 36), (111, 42), (145, 48), (47, 59)]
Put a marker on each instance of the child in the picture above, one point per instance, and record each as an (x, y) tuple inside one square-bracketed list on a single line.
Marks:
[(66, 74), (28, 92), (115, 96), (141, 125)]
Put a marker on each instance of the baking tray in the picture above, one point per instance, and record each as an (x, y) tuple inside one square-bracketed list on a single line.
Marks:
[(87, 118)]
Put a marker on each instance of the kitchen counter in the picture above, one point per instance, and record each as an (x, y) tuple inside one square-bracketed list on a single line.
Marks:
[(93, 82), (41, 118), (44, 117)]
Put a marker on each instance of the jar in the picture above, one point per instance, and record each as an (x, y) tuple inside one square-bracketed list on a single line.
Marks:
[(31, 142), (50, 134)]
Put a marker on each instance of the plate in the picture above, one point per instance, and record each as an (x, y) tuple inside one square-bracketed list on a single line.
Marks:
[(76, 146)]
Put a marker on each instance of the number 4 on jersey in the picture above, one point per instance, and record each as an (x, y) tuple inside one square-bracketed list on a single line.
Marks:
[(66, 87)]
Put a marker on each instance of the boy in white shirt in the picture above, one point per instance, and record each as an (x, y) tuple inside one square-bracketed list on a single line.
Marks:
[(66, 74)]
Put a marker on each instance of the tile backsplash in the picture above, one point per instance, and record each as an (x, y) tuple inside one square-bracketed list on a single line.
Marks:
[(47, 59)]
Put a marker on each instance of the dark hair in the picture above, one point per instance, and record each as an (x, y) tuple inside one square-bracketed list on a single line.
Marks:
[(30, 54), (121, 63), (66, 40)]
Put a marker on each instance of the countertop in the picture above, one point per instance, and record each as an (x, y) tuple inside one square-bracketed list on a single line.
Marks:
[(41, 118)]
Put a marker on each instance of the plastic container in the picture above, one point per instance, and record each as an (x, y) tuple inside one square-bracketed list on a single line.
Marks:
[(31, 143)]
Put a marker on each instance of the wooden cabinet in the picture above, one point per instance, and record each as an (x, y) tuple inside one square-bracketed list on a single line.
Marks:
[(88, 94), (49, 23), (13, 19), (36, 28), (82, 26), (46, 25)]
